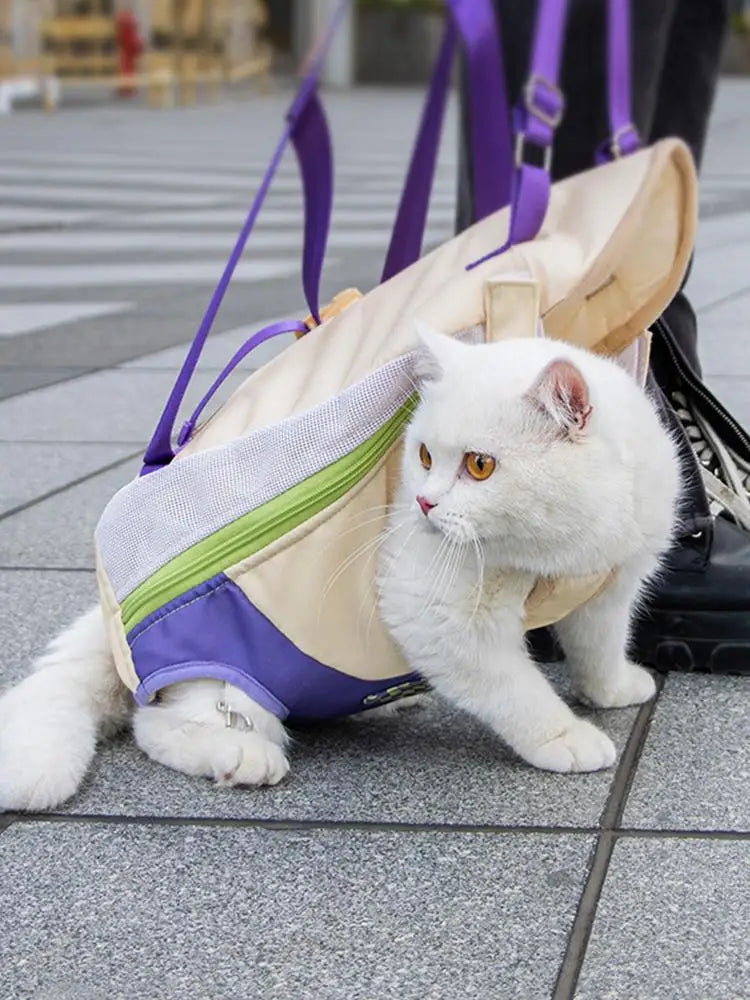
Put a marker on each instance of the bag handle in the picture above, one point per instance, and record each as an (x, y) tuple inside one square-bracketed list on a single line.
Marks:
[(489, 128), (258, 338), (307, 129)]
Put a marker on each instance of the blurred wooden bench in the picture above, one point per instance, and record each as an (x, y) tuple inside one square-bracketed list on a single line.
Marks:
[(192, 43)]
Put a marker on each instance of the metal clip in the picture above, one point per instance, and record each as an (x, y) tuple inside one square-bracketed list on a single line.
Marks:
[(232, 718)]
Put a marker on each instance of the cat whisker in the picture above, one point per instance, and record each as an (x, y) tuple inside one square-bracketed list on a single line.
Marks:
[(480, 576), (383, 582), (370, 546), (450, 552), (376, 513)]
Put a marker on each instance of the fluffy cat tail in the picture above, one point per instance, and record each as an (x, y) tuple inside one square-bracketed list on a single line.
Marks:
[(50, 722)]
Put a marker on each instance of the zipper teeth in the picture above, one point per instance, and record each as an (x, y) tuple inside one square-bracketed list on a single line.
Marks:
[(224, 550), (235, 547), (698, 389)]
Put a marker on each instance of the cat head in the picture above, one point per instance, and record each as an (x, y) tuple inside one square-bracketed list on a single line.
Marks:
[(499, 447)]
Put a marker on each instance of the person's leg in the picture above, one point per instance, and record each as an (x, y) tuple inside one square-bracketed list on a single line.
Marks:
[(583, 80), (687, 86)]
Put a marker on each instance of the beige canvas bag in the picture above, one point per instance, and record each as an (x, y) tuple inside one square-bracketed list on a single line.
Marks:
[(232, 560)]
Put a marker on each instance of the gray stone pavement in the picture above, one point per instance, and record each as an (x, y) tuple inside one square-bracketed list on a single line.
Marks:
[(411, 857)]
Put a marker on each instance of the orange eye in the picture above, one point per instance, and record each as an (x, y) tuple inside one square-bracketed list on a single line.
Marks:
[(425, 457), (479, 466)]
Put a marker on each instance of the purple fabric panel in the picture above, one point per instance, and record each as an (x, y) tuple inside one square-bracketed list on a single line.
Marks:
[(274, 330), (214, 631), (312, 144), (411, 218), (197, 670)]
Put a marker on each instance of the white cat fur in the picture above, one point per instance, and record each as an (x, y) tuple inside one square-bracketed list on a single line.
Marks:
[(558, 503), (586, 481)]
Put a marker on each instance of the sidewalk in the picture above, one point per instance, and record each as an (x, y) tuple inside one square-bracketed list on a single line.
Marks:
[(410, 857)]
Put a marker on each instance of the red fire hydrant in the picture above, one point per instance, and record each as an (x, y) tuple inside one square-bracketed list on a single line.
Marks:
[(129, 48)]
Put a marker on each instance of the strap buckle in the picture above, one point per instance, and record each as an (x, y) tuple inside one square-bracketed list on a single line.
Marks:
[(615, 143), (539, 88), (522, 143)]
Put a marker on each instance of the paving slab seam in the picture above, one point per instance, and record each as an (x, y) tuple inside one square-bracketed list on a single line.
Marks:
[(631, 755), (6, 820), (580, 931), (649, 834), (67, 486), (298, 824)]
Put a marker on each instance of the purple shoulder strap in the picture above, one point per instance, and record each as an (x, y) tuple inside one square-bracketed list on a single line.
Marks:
[(623, 135), (541, 110), (307, 129), (489, 129)]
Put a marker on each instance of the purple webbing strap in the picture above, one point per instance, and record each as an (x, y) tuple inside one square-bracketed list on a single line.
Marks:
[(623, 135), (489, 115), (536, 119), (258, 338), (489, 127), (411, 219), (312, 144), (306, 127)]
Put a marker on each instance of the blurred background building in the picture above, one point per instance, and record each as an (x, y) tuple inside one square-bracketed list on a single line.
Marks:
[(171, 47)]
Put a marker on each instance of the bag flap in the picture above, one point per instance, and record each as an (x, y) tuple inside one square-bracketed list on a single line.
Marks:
[(611, 255)]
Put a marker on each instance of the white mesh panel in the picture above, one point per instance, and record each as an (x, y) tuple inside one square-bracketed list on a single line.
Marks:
[(156, 517)]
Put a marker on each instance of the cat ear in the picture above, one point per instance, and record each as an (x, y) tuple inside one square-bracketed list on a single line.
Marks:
[(562, 393), (427, 360)]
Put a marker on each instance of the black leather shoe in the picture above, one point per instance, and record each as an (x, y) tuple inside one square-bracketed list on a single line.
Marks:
[(698, 617)]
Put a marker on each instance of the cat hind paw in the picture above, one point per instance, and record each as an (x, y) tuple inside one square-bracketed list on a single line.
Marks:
[(229, 756), (258, 762), (631, 685)]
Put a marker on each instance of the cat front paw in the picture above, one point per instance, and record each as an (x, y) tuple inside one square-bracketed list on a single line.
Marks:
[(630, 685), (258, 762), (580, 747)]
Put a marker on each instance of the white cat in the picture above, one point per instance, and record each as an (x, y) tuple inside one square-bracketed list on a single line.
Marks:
[(535, 457), (582, 477)]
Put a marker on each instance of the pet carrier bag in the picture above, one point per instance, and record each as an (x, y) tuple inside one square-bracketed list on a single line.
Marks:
[(231, 559)]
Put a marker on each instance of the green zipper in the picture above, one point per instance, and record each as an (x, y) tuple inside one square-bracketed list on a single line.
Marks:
[(262, 526)]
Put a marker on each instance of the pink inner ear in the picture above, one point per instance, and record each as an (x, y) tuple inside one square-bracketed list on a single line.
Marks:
[(561, 389)]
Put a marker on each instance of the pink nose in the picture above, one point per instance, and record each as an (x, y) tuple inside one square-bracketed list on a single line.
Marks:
[(425, 505)]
